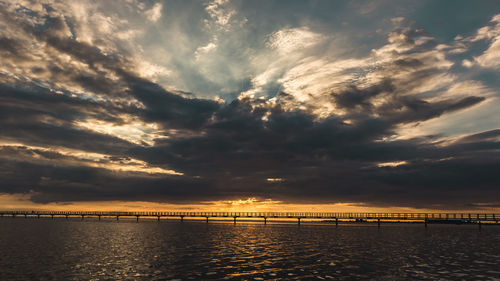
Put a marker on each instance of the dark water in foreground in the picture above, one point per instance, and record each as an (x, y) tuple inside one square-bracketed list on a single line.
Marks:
[(32, 249)]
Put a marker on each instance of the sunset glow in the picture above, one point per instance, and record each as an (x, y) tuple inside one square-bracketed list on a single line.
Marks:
[(251, 106)]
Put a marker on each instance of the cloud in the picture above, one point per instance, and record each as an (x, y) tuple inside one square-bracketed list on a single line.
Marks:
[(290, 40), (40, 117), (220, 13), (82, 121), (205, 49), (491, 56), (490, 33), (154, 14), (169, 109)]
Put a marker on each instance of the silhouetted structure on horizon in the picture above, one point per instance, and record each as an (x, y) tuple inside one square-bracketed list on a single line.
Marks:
[(426, 218)]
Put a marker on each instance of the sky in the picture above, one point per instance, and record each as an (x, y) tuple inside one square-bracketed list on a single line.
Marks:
[(251, 105)]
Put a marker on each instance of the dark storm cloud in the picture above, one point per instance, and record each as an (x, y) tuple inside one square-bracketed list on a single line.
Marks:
[(329, 160), (233, 150), (408, 109), (169, 109), (12, 48), (360, 97), (65, 182), (324, 161), (484, 136), (398, 108), (36, 116), (450, 182)]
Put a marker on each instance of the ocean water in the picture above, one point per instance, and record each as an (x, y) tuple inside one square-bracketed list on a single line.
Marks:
[(45, 249)]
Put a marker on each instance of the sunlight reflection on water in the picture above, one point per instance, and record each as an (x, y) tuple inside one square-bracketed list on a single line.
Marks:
[(73, 250)]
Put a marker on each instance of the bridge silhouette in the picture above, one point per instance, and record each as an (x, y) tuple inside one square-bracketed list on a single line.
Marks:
[(425, 218)]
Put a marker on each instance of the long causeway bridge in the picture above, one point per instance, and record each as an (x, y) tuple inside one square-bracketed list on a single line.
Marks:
[(425, 218)]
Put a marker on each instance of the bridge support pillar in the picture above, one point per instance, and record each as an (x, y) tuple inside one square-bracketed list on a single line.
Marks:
[(425, 223), (25, 216), (207, 219), (336, 222), (158, 218), (83, 217), (52, 216), (136, 218), (38, 216), (265, 220), (117, 218), (234, 220), (298, 220), (99, 216), (182, 218), (378, 222), (66, 217)]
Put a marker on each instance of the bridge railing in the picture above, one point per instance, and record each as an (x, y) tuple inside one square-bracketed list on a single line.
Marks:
[(317, 215)]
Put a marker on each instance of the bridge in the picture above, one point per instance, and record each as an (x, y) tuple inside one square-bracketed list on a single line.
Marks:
[(425, 218)]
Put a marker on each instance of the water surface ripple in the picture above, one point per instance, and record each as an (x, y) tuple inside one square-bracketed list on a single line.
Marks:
[(45, 249)]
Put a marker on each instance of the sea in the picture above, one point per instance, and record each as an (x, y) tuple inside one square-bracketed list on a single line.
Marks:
[(60, 249)]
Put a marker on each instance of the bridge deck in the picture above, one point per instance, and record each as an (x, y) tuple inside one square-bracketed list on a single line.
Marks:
[(472, 217)]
